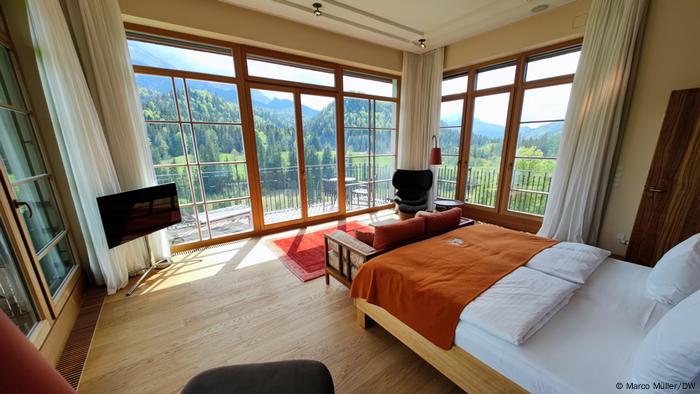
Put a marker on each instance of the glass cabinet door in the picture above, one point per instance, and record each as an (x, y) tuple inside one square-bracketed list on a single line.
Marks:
[(32, 192)]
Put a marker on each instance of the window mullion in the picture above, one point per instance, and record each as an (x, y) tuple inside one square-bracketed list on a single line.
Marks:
[(511, 137)]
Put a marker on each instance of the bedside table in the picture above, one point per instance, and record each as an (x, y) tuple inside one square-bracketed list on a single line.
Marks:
[(443, 204)]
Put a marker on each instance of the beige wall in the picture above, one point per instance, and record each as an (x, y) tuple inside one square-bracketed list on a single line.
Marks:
[(559, 24), (669, 60), (215, 19)]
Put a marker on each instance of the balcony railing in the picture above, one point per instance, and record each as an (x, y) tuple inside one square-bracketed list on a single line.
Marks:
[(364, 188), (280, 186), (529, 190), (281, 197)]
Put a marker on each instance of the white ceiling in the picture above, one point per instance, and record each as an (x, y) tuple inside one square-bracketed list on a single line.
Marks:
[(400, 23)]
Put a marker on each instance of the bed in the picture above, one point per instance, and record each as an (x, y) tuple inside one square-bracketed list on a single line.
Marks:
[(568, 354), (574, 355)]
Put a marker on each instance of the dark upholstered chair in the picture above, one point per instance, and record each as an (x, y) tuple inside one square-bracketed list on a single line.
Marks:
[(412, 191), (284, 377)]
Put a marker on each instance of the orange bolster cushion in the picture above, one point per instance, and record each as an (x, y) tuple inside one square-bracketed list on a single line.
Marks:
[(365, 236), (391, 234), (441, 221)]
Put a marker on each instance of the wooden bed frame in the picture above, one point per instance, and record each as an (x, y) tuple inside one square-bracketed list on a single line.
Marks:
[(465, 370)]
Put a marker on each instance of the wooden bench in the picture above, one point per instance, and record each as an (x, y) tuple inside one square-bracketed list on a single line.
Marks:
[(345, 254)]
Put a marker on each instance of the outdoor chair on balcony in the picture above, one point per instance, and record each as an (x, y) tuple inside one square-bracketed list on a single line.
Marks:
[(411, 191)]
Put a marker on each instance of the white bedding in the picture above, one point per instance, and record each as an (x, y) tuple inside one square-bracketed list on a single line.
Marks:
[(587, 346), (523, 301), (519, 304), (569, 261)]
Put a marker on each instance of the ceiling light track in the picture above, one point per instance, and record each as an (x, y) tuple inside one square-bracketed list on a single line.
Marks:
[(375, 17), (343, 20)]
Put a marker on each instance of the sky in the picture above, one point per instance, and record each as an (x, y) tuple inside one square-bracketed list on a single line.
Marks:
[(260, 68), (547, 103), (149, 54)]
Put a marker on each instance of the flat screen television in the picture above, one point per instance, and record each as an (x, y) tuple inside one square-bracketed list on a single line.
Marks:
[(133, 214)]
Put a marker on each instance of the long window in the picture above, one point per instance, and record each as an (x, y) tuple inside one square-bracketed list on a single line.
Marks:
[(500, 128), (38, 268), (195, 132), (255, 139), (370, 140)]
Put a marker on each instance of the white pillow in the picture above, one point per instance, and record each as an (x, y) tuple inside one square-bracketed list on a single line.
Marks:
[(677, 274), (670, 353), (569, 261)]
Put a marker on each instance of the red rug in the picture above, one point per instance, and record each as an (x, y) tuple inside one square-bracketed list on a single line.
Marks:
[(303, 253)]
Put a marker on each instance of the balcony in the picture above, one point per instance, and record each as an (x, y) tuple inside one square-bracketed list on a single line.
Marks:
[(528, 193), (281, 198)]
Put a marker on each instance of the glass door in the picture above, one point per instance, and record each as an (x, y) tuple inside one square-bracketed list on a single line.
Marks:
[(296, 143), (370, 152), (30, 189), (486, 148), (320, 154), (276, 142)]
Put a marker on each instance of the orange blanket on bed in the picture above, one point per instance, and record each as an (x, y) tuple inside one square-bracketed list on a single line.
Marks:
[(427, 284)]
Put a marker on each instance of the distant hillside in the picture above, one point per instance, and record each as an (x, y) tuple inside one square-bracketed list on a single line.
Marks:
[(493, 131), (224, 90)]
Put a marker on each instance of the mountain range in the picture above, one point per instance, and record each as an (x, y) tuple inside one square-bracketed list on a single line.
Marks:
[(226, 91), (494, 131)]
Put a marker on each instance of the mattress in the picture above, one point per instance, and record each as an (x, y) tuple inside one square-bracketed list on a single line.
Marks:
[(588, 346)]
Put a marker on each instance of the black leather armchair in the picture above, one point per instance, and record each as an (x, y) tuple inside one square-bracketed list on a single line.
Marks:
[(412, 190)]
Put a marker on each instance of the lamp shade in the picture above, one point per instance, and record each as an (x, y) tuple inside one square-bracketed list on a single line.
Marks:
[(435, 157)]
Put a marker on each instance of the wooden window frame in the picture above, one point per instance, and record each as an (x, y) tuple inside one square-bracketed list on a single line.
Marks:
[(48, 306), (371, 130), (500, 214), (244, 83), (297, 92), (197, 164), (460, 144)]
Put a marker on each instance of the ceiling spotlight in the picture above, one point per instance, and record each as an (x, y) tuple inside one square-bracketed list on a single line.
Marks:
[(317, 10), (539, 8), (421, 43)]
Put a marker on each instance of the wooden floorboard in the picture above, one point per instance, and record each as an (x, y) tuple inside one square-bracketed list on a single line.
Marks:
[(240, 305)]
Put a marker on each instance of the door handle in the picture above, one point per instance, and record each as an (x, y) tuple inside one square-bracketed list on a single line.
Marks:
[(19, 204), (655, 189)]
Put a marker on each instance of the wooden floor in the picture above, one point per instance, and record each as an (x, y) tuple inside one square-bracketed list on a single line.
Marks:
[(241, 305)]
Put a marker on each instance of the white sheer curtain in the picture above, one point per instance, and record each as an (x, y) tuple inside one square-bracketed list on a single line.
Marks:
[(593, 120), (84, 150), (421, 85), (106, 59)]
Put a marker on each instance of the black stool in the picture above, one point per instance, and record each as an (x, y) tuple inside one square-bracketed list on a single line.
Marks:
[(285, 377)]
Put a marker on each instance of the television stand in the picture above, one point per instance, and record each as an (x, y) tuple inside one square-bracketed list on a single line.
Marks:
[(155, 265), (162, 264)]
